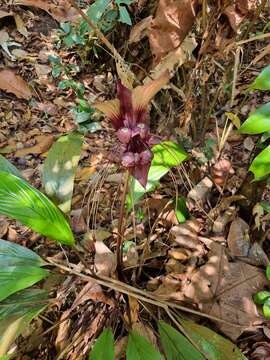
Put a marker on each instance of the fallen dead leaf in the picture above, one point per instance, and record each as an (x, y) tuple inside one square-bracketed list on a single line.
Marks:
[(43, 143), (200, 191), (14, 84), (20, 25), (60, 12), (5, 14), (171, 24), (105, 261), (261, 351), (140, 30), (225, 289), (238, 238)]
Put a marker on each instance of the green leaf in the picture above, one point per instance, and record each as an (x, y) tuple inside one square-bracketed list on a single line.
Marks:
[(266, 309), (175, 345), (124, 15), (104, 347), (97, 10), (59, 169), (260, 166), (211, 344), (268, 272), (22, 202), (181, 212), (15, 278), (15, 314), (65, 26), (6, 166), (266, 206), (258, 122), (12, 254), (167, 154), (139, 348), (261, 296), (56, 71), (262, 82)]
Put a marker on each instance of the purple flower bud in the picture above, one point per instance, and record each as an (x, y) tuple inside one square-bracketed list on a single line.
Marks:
[(146, 157), (124, 135), (128, 159)]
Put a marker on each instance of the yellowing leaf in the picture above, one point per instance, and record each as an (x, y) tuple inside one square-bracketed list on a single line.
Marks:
[(234, 119)]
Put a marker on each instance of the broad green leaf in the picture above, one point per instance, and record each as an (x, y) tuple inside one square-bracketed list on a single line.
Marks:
[(266, 206), (16, 312), (261, 296), (262, 82), (181, 210), (257, 122), (139, 348), (213, 345), (124, 15), (22, 202), (15, 278), (166, 155), (97, 10), (175, 345), (266, 309), (268, 272), (12, 254), (6, 166), (59, 169), (260, 166), (104, 347)]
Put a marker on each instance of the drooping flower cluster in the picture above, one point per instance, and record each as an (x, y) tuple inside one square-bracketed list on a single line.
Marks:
[(127, 114)]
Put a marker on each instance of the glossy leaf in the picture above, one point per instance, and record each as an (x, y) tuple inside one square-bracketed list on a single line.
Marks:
[(12, 254), (166, 155), (59, 169), (211, 344), (16, 312), (266, 309), (260, 166), (104, 347), (257, 122), (6, 166), (268, 272), (175, 345), (262, 82), (261, 297), (181, 210), (22, 202), (139, 348)]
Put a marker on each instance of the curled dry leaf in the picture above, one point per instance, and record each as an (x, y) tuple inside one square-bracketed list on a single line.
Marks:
[(225, 289), (14, 84), (261, 351), (200, 191), (5, 14), (171, 24), (140, 30), (105, 261), (43, 143)]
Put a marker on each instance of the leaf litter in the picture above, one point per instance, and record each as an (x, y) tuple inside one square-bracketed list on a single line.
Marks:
[(212, 262)]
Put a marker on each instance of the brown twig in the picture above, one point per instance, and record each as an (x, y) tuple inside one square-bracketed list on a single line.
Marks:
[(120, 236)]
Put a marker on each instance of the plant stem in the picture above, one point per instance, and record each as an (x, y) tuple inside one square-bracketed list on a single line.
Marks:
[(120, 236)]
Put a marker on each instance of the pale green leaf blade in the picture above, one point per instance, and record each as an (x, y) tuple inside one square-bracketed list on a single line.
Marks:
[(257, 122), (262, 82), (167, 154), (22, 202), (175, 345), (16, 278), (104, 347), (268, 272), (13, 254), (124, 15), (16, 313), (215, 346), (6, 166), (59, 169), (260, 166), (139, 348)]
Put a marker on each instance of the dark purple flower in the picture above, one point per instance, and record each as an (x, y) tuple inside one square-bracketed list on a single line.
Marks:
[(128, 117)]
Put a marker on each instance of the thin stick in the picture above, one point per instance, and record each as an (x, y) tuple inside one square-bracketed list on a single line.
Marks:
[(120, 236)]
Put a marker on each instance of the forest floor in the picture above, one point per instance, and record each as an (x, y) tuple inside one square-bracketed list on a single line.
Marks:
[(211, 262)]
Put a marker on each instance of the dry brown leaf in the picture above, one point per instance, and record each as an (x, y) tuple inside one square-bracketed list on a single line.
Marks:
[(14, 84), (60, 12), (83, 174), (238, 238), (225, 289), (105, 261), (5, 14), (140, 30), (261, 351), (20, 25), (200, 191), (43, 143), (172, 22)]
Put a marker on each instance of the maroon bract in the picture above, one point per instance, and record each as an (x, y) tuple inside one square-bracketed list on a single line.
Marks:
[(127, 114)]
